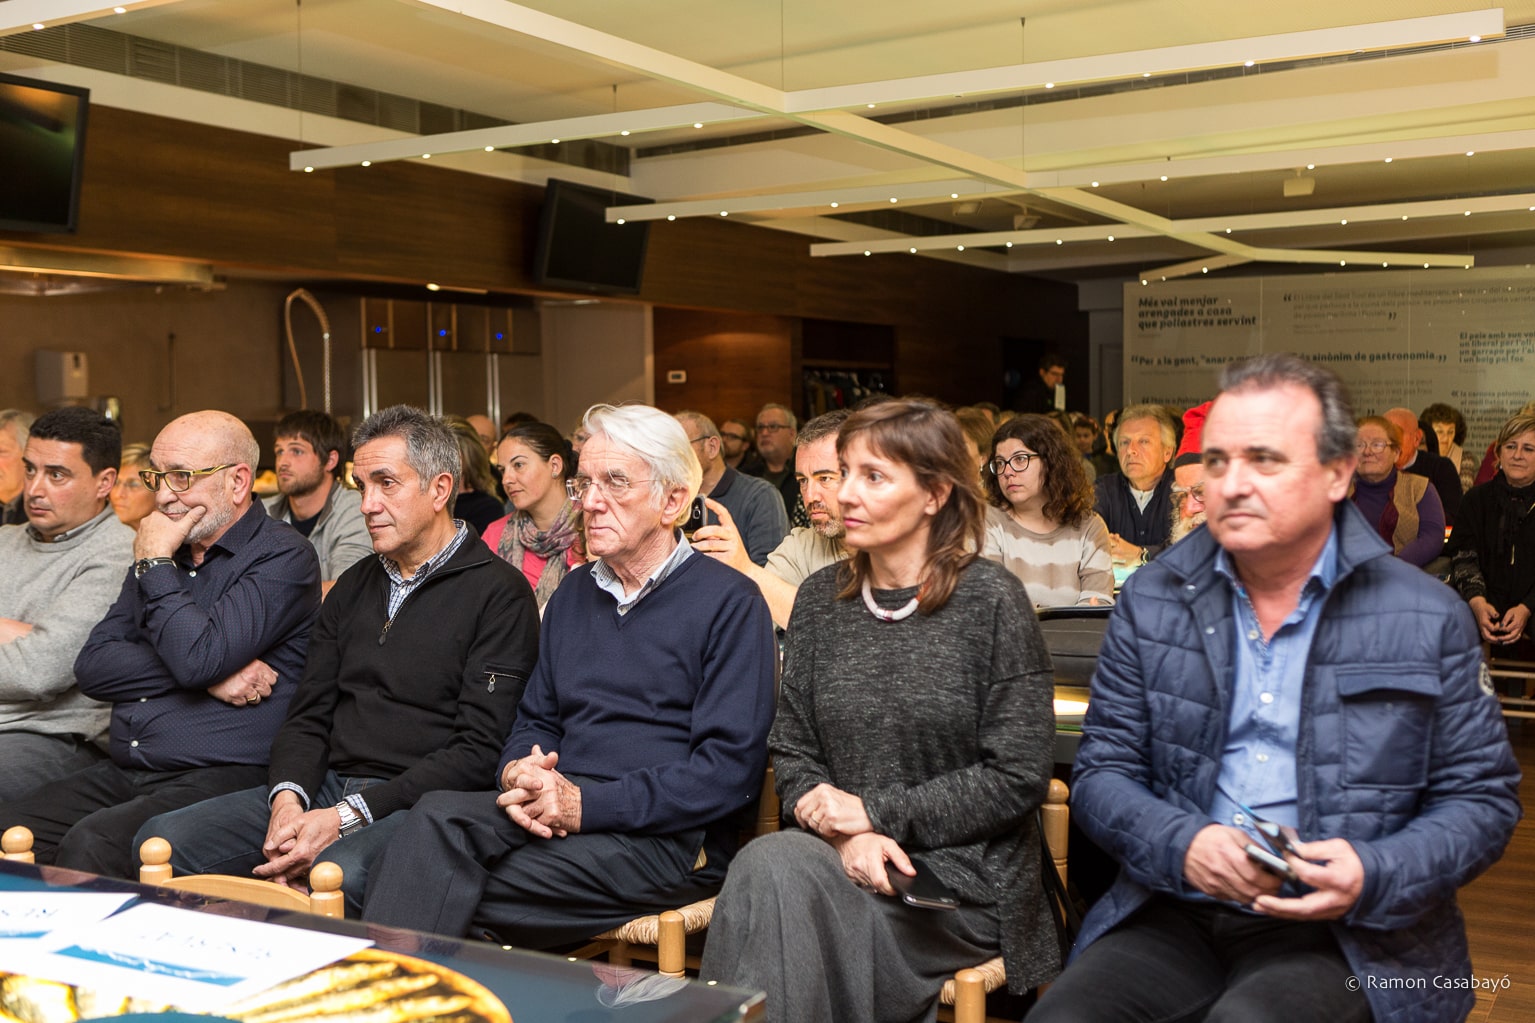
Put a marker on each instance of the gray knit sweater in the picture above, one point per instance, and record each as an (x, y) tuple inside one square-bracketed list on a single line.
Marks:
[(62, 589), (944, 725)]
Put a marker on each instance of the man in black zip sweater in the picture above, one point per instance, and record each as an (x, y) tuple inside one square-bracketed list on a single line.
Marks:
[(415, 669)]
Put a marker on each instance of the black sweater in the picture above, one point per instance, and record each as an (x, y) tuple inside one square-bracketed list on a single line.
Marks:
[(428, 706), (1492, 549)]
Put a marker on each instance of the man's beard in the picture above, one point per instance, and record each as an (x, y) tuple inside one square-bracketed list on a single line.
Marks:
[(1182, 526), (300, 486), (832, 528), (211, 523)]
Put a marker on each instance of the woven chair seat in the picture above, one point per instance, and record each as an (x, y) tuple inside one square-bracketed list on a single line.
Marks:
[(646, 930), (993, 976)]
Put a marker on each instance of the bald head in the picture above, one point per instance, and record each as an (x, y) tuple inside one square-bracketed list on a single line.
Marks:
[(196, 443), (1405, 420)]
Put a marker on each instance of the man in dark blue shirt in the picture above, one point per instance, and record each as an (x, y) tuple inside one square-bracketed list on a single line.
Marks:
[(198, 656)]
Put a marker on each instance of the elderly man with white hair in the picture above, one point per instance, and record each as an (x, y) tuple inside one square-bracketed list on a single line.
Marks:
[(640, 739)]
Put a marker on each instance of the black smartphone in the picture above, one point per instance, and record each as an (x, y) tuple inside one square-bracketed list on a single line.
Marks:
[(1268, 861), (698, 517), (924, 890)]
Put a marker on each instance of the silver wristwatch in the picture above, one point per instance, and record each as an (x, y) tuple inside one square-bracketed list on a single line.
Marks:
[(350, 819)]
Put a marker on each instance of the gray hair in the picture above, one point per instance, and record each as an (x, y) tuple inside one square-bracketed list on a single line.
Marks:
[(19, 422), (656, 439), (1157, 412), (704, 423), (793, 423), (430, 447), (1337, 434), (824, 425)]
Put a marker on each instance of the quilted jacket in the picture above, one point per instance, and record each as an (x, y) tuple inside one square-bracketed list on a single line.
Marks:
[(1402, 751)]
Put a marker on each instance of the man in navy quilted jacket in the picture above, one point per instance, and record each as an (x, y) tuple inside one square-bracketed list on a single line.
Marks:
[(1279, 667)]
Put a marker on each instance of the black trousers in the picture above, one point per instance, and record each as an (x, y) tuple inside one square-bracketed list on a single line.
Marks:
[(458, 865), (1182, 962), (87, 820)]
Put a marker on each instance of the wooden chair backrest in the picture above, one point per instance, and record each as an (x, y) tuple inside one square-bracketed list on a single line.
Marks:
[(325, 898)]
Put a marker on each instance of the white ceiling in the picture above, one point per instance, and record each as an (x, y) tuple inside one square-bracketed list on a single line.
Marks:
[(1225, 145)]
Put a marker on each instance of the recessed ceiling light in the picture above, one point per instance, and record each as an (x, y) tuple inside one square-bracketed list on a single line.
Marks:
[(490, 149), (1343, 262), (1385, 264), (724, 213), (835, 205), (434, 287), (1204, 269), (1228, 230), (1111, 237), (620, 220), (1388, 159), (1474, 39), (1009, 244), (554, 142), (912, 250), (119, 10), (892, 198), (367, 163), (624, 132), (961, 248), (1144, 282), (1248, 63), (37, 26), (1471, 152), (866, 252), (1164, 177), (698, 124), (870, 106), (1311, 166), (671, 216), (308, 170), (1404, 216), (1468, 213), (953, 195), (1145, 74), (1049, 85), (1058, 241), (1095, 184), (1343, 222)]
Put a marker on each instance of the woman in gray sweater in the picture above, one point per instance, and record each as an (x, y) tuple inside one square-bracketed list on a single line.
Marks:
[(915, 724)]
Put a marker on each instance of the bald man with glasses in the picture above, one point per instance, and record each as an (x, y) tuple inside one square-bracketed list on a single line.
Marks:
[(197, 657)]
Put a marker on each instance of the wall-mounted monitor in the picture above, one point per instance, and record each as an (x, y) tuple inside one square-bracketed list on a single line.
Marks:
[(42, 142), (578, 250)]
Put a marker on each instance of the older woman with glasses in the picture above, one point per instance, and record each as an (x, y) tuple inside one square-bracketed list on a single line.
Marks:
[(1403, 508), (914, 737), (1041, 525), (1492, 551), (131, 499)]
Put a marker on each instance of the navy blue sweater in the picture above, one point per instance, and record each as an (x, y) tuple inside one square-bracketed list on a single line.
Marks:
[(667, 707)]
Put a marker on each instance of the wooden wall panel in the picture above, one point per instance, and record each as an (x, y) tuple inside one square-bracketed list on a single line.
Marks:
[(735, 362)]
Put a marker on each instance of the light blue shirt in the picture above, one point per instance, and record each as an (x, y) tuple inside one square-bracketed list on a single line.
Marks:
[(1258, 764)]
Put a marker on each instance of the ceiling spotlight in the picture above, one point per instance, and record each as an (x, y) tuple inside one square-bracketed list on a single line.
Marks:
[(434, 287), (724, 213), (1204, 269), (119, 10), (1049, 85), (866, 252), (1228, 230), (1058, 241), (1404, 216), (671, 216), (1144, 282), (1164, 177), (835, 205), (620, 220), (1471, 152), (1145, 74), (892, 198), (490, 149), (953, 195), (624, 132), (1095, 184), (1009, 244), (1425, 266), (1343, 222), (367, 163), (1474, 39), (870, 106), (1388, 159), (698, 124), (554, 142), (961, 248), (37, 26), (1385, 264), (1343, 262), (1311, 166), (308, 170), (912, 250), (426, 156), (1248, 63), (1468, 213), (1111, 237)]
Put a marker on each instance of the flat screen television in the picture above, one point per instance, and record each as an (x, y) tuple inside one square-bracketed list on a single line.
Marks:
[(578, 250), (42, 140)]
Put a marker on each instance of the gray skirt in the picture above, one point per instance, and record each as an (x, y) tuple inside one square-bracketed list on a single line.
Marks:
[(790, 923)]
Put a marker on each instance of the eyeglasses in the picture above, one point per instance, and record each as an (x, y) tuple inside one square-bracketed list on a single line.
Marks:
[(1375, 446), (614, 485), (733, 436), (178, 480), (1018, 462), (1197, 492), (771, 427), (697, 440)]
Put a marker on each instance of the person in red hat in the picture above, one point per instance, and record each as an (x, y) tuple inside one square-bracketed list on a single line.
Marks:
[(1189, 476)]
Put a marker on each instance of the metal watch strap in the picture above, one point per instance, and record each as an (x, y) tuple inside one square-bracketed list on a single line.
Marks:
[(145, 564), (351, 820)]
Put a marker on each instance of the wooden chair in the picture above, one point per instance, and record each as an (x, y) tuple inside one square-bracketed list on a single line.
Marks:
[(16, 844), (966, 992), (1511, 670), (324, 898), (663, 936)]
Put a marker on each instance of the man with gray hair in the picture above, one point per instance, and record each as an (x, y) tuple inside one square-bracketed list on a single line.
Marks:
[(641, 738), (1136, 502), (14, 424), (197, 656), (1292, 749), (417, 662), (753, 504)]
